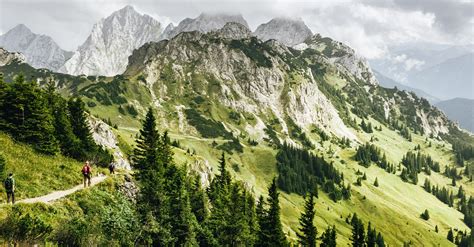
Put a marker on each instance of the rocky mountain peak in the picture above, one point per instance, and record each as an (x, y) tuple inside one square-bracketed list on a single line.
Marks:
[(40, 51), (112, 40), (285, 30), (205, 22), (20, 29), (342, 56), (7, 57), (233, 30)]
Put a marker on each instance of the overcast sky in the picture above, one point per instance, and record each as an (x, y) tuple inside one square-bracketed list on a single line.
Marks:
[(369, 26)]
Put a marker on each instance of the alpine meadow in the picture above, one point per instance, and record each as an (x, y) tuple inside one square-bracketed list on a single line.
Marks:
[(220, 130)]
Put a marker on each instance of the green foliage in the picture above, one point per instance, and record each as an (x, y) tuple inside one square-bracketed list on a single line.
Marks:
[(417, 162), (358, 232), (308, 231), (107, 93), (450, 236), (300, 171), (270, 232), (2, 166), (425, 215), (232, 220), (86, 148), (209, 128), (25, 115), (366, 127), (24, 226), (254, 49), (328, 239)]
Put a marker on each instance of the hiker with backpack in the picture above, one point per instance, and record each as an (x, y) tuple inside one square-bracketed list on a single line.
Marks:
[(87, 174), (112, 168), (10, 188)]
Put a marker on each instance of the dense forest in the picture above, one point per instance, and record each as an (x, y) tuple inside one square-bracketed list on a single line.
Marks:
[(302, 172), (50, 123)]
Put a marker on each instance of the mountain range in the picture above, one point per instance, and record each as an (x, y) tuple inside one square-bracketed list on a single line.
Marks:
[(440, 70), (39, 50), (278, 104), (460, 110)]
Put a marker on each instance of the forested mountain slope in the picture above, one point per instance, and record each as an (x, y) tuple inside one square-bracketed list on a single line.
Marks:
[(310, 117)]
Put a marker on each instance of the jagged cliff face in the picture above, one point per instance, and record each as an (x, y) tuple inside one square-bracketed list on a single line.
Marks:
[(40, 51), (104, 136), (341, 55), (272, 82), (264, 87), (289, 32), (112, 40), (7, 57), (203, 23)]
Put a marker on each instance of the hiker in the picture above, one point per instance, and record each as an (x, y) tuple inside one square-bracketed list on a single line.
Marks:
[(87, 173), (10, 188), (112, 168)]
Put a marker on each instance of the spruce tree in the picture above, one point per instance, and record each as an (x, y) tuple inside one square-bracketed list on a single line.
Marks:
[(68, 142), (149, 174), (358, 232), (80, 126), (198, 199), (178, 213), (376, 182), (308, 231), (146, 153), (25, 115), (328, 238), (371, 236), (425, 215), (450, 236), (380, 241), (271, 232)]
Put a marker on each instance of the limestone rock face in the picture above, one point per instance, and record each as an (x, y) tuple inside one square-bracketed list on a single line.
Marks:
[(245, 84), (204, 23), (112, 40), (287, 31), (341, 55), (104, 136), (7, 57), (40, 51)]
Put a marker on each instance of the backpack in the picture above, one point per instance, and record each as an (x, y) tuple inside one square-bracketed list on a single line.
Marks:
[(85, 170), (9, 184)]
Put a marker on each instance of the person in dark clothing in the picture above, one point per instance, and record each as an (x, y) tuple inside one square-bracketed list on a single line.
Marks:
[(112, 168), (10, 188), (87, 173)]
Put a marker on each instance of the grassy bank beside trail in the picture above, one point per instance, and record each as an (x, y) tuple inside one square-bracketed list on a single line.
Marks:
[(98, 216), (36, 174)]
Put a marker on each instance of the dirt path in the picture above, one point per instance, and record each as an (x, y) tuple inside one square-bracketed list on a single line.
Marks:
[(62, 193)]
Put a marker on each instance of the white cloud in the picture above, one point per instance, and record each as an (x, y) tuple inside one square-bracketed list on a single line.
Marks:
[(369, 26)]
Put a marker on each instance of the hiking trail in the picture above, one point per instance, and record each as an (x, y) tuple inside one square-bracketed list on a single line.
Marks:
[(53, 196)]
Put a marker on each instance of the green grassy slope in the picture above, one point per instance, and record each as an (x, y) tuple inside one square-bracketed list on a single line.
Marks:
[(37, 174)]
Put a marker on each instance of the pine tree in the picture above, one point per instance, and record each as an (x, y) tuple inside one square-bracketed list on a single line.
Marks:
[(425, 215), (271, 232), (149, 174), (358, 232), (308, 231), (376, 182), (380, 241), (371, 236), (197, 198), (25, 115), (178, 213), (80, 126), (450, 236), (328, 238), (68, 142)]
